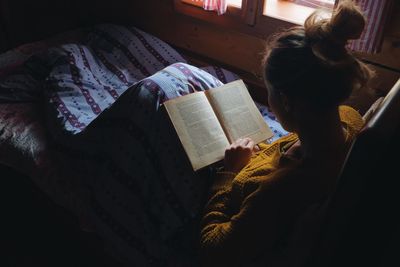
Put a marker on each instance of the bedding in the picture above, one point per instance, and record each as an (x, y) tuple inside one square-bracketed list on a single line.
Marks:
[(81, 118), (25, 144), (87, 78)]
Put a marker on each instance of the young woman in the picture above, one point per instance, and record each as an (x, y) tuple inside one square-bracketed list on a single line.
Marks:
[(256, 199), (141, 196)]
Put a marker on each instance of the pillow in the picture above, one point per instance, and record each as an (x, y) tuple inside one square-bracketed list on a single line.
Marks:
[(22, 136)]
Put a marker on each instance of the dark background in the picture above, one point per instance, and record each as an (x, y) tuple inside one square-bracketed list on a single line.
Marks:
[(36, 232)]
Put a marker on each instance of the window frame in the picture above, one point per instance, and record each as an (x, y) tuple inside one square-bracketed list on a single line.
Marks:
[(249, 19)]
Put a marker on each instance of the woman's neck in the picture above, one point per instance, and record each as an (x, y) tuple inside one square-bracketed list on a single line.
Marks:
[(321, 135)]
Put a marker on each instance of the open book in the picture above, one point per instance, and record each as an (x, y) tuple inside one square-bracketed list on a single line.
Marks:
[(208, 121)]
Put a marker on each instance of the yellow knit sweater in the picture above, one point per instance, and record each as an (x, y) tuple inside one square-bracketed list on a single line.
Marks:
[(250, 212)]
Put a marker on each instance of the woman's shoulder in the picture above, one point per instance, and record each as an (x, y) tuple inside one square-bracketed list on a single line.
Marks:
[(351, 118)]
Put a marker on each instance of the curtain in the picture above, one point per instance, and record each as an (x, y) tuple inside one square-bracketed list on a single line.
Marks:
[(218, 5), (377, 13)]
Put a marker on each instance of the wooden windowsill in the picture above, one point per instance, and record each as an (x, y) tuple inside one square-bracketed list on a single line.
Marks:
[(197, 3)]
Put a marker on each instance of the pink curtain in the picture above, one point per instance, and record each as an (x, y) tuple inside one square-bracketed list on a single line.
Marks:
[(218, 5), (377, 13)]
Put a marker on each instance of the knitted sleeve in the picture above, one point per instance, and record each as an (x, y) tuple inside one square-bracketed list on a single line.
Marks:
[(256, 224), (229, 234), (218, 205)]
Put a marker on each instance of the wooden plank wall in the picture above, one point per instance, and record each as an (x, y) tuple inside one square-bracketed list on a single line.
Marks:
[(238, 51)]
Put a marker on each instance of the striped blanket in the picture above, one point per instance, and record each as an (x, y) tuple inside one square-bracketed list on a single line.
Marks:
[(87, 78)]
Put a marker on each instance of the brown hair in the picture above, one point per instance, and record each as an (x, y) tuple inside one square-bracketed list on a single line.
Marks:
[(312, 62)]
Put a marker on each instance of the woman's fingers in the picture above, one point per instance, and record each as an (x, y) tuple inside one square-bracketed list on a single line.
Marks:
[(250, 144), (244, 141), (238, 154)]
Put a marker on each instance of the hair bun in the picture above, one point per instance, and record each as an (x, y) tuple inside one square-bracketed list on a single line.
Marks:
[(328, 37), (347, 22)]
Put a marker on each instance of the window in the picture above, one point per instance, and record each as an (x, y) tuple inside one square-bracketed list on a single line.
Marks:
[(256, 17), (295, 11), (235, 3)]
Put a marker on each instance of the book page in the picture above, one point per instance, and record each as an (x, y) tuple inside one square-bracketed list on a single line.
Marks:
[(198, 129), (237, 112)]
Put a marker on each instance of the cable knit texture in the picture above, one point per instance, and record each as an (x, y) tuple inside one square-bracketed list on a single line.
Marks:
[(251, 212)]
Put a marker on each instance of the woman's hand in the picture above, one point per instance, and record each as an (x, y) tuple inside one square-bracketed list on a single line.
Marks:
[(238, 154)]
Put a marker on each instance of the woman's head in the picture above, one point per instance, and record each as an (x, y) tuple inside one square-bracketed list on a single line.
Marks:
[(310, 65)]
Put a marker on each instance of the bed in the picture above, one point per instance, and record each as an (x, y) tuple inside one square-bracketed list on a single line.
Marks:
[(56, 94)]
